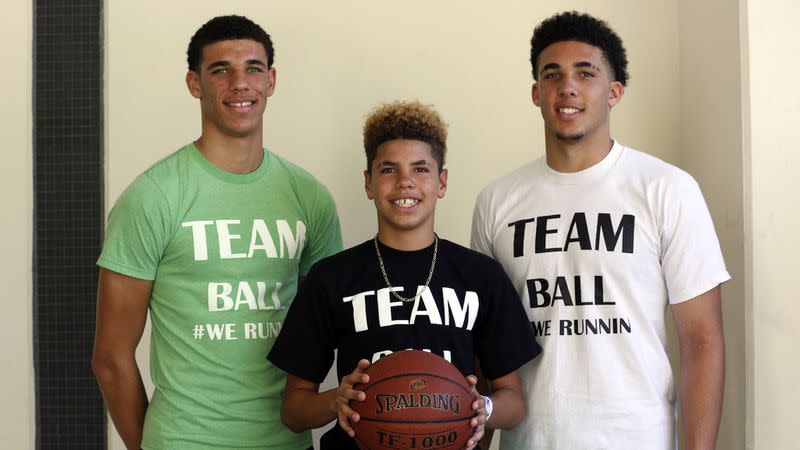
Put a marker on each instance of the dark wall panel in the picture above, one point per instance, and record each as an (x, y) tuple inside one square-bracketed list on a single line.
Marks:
[(68, 220)]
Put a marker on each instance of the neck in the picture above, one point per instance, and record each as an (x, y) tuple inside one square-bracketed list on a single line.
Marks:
[(574, 156), (405, 240), (234, 155)]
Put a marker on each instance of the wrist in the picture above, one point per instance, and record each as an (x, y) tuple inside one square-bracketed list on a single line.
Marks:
[(489, 406)]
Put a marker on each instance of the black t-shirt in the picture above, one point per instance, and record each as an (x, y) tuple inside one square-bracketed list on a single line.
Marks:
[(469, 310)]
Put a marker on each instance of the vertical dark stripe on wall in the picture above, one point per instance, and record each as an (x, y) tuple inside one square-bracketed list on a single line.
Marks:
[(68, 220)]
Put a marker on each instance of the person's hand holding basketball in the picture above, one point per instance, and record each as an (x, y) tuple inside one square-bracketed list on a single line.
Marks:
[(479, 421), (346, 393)]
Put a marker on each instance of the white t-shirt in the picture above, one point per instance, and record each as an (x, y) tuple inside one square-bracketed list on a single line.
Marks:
[(596, 256)]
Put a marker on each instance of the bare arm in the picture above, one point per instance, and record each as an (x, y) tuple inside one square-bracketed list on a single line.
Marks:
[(509, 405), (508, 411), (702, 368), (304, 407), (121, 313)]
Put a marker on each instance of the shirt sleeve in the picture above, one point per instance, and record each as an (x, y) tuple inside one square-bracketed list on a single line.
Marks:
[(480, 238), (324, 233), (306, 344), (138, 230), (691, 258), (506, 340)]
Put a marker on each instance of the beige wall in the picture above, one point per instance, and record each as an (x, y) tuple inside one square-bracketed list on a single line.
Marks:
[(688, 103), (711, 150), (16, 196), (339, 59), (772, 157)]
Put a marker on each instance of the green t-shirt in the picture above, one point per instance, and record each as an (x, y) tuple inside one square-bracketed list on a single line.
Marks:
[(224, 252)]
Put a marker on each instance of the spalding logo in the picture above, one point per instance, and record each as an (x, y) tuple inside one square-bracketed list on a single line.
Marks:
[(418, 384)]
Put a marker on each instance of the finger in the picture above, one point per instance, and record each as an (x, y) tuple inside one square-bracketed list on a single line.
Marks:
[(363, 364), (345, 419), (355, 378), (479, 404), (476, 437), (348, 394)]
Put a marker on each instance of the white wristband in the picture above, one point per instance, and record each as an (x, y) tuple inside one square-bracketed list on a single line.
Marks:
[(489, 406)]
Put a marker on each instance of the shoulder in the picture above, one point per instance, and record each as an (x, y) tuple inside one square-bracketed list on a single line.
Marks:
[(291, 170), (163, 176), (654, 169), (345, 260), (477, 262), (303, 184), (164, 169), (157, 177)]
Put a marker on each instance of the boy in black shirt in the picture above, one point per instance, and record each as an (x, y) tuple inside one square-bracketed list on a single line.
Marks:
[(403, 289)]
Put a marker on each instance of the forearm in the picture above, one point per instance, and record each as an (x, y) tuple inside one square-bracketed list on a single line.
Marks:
[(508, 409), (125, 397), (701, 389), (305, 409)]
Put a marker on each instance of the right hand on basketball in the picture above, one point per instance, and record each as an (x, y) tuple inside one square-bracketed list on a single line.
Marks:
[(346, 393)]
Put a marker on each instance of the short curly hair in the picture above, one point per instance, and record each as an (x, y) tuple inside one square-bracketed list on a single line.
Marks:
[(575, 26), (405, 120), (223, 28)]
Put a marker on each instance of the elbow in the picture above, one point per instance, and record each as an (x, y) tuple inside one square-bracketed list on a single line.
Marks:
[(520, 412), (523, 411), (101, 368), (106, 368), (515, 411), (290, 421)]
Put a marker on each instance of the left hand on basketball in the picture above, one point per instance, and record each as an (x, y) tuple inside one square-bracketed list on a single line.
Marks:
[(347, 393), (479, 421)]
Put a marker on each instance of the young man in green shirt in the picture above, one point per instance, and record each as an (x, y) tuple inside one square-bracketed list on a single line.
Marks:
[(213, 241)]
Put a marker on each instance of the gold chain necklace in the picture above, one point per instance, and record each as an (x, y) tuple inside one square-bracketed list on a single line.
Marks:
[(386, 277)]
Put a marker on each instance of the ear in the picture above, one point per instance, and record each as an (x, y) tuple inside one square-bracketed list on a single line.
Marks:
[(193, 83), (615, 93), (442, 183), (272, 78), (535, 93), (368, 185)]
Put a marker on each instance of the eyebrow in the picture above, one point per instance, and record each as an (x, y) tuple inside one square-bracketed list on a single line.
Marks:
[(421, 162), (586, 64), (226, 63), (578, 64)]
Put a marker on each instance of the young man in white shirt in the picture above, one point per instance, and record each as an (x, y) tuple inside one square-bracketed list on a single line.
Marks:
[(599, 240)]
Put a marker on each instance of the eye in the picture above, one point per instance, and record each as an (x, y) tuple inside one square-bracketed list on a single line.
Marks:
[(220, 70), (550, 76), (421, 169), (586, 75), (387, 170), (255, 69)]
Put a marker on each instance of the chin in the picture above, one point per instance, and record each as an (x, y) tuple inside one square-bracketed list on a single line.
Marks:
[(569, 137)]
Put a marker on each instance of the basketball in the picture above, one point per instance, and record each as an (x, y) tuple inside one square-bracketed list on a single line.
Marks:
[(415, 400)]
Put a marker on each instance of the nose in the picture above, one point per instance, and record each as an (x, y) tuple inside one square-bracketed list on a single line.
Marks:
[(404, 180), (238, 81), (567, 88)]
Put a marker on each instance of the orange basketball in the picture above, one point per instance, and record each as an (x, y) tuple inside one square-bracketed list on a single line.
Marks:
[(415, 400)]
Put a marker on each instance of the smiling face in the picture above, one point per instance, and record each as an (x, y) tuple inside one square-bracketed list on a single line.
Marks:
[(233, 85), (575, 92), (405, 183)]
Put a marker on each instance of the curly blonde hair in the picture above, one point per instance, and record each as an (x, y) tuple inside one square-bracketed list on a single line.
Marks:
[(405, 120)]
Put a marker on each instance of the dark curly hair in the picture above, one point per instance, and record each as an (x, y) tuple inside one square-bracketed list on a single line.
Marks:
[(405, 120), (223, 28), (575, 26)]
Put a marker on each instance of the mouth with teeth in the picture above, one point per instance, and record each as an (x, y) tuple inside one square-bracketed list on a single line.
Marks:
[(241, 104), (405, 202), (568, 111)]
